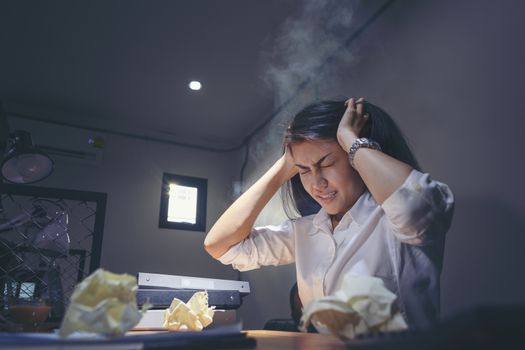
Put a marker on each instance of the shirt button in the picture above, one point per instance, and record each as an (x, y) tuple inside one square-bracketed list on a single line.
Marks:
[(416, 186)]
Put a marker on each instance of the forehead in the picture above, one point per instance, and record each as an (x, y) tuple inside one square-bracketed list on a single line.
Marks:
[(309, 152)]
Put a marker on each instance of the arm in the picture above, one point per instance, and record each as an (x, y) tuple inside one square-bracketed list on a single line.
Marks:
[(382, 174), (237, 221), (418, 208)]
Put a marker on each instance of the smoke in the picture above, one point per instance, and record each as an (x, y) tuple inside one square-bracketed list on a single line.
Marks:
[(310, 47), (309, 51)]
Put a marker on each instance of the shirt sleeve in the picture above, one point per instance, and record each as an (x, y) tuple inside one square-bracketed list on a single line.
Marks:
[(421, 210), (266, 245)]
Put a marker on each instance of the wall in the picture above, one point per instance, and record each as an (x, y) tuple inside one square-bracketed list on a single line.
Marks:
[(451, 73), (3, 128), (130, 172)]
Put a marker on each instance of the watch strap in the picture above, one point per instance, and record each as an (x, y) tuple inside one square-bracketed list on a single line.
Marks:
[(362, 142)]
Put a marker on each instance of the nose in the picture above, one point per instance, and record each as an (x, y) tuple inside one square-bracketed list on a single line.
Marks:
[(319, 182)]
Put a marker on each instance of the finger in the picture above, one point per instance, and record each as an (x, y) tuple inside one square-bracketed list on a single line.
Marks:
[(347, 115), (351, 112), (348, 100), (350, 103), (360, 106)]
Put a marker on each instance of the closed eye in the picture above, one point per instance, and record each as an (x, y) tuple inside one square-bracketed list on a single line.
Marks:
[(302, 169)]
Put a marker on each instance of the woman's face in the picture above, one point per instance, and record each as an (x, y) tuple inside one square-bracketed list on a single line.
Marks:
[(327, 175)]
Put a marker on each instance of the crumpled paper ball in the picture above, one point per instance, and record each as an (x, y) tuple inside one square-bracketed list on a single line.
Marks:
[(103, 303), (363, 304), (194, 315)]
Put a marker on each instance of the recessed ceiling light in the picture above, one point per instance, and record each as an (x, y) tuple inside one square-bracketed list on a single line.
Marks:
[(195, 85)]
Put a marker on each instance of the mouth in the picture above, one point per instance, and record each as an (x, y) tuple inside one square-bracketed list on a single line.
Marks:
[(326, 197)]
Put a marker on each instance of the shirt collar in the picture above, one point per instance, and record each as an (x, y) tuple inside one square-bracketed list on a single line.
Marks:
[(361, 209), (321, 222)]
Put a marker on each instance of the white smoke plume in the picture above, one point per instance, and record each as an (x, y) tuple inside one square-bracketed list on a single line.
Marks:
[(311, 46), (311, 50)]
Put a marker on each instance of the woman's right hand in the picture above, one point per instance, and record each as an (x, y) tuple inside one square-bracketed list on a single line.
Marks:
[(288, 164)]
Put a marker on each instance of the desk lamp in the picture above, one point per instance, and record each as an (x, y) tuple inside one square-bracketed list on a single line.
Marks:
[(23, 163)]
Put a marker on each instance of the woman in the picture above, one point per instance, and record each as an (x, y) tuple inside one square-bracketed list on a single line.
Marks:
[(379, 214)]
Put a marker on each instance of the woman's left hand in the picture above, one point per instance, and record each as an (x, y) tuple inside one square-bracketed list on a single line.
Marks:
[(351, 123)]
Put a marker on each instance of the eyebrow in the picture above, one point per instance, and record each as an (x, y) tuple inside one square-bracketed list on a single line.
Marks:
[(316, 163)]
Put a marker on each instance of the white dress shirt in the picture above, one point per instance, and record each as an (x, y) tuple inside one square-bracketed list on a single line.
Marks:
[(400, 241)]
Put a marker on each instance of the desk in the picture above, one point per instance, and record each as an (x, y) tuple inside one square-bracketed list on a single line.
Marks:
[(276, 340), (272, 340), (266, 340)]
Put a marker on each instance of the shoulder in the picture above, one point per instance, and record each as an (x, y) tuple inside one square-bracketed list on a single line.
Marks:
[(421, 210), (308, 225)]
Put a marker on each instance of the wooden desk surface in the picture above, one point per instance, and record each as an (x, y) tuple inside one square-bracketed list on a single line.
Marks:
[(276, 340), (272, 340)]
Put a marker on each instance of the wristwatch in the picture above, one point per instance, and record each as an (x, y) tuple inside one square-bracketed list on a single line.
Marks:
[(361, 143)]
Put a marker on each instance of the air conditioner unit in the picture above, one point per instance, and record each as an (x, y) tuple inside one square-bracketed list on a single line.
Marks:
[(63, 143)]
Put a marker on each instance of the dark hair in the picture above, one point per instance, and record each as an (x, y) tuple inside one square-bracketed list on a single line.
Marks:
[(319, 121)]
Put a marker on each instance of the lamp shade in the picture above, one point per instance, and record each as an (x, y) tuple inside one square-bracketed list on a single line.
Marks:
[(53, 240), (23, 163)]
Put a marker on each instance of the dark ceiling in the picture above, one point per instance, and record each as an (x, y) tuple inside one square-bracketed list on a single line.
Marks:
[(123, 66)]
